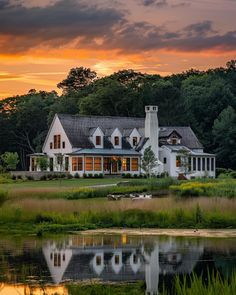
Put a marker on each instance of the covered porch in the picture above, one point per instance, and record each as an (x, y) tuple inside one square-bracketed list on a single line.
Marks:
[(107, 162)]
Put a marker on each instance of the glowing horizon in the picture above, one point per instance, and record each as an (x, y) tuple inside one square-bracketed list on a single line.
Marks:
[(41, 41)]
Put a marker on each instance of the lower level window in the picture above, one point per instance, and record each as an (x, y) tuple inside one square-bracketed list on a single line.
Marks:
[(97, 163), (77, 164), (126, 164), (89, 164), (134, 164)]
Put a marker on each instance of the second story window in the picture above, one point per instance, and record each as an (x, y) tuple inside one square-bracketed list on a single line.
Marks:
[(50, 145), (98, 140), (135, 141), (57, 141), (63, 144), (116, 140)]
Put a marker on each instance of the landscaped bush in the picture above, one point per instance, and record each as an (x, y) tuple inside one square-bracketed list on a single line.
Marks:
[(76, 175)]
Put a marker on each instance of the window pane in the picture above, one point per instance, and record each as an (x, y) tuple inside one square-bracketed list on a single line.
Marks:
[(178, 161), (97, 164), (194, 164), (199, 164), (126, 164), (208, 164), (203, 164), (116, 140), (134, 164), (212, 164), (89, 164), (77, 164), (135, 141), (98, 140)]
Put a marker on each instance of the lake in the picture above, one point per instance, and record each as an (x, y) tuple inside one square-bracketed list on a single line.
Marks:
[(30, 265)]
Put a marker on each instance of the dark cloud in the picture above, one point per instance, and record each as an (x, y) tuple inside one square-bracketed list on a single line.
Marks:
[(56, 24), (157, 3), (68, 22), (199, 29)]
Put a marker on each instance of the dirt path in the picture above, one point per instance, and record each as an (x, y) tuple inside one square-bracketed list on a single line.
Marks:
[(210, 233)]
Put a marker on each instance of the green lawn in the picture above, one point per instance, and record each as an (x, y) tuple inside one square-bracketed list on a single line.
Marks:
[(57, 184)]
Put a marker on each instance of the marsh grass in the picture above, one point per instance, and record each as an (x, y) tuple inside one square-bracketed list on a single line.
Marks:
[(214, 285), (63, 215)]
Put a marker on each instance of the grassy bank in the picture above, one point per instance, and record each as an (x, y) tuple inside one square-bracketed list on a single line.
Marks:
[(36, 210), (214, 285), (39, 216)]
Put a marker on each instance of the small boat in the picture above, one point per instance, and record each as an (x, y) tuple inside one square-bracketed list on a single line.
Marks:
[(141, 197), (111, 197)]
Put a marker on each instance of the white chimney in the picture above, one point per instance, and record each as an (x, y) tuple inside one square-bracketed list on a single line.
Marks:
[(151, 128)]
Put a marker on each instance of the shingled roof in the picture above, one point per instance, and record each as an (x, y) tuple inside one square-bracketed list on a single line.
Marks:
[(78, 129)]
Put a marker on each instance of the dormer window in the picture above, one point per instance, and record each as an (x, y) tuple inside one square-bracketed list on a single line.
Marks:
[(135, 140), (98, 140), (173, 141), (116, 140)]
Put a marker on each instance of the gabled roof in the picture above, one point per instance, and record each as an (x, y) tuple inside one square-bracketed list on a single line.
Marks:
[(189, 139), (78, 129)]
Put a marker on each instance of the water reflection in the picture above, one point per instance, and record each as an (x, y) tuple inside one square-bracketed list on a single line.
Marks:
[(110, 258)]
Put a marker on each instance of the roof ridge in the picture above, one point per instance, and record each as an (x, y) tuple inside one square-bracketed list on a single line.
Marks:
[(96, 116)]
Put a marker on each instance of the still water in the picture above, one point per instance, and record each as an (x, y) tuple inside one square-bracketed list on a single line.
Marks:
[(44, 266)]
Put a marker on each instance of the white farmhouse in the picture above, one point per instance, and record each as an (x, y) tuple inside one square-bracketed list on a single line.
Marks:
[(115, 145)]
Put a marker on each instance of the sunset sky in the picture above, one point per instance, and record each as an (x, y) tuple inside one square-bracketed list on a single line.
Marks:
[(40, 40)]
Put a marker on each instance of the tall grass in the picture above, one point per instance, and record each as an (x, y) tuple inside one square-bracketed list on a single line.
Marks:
[(215, 285)]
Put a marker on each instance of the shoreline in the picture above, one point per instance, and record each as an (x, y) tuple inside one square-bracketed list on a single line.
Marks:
[(205, 233)]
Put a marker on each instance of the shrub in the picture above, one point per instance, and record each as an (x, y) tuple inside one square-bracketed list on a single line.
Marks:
[(101, 175), (19, 177), (85, 175), (76, 175), (43, 177), (69, 176), (29, 177)]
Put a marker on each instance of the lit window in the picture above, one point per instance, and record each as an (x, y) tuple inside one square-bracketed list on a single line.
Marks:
[(134, 164), (89, 164), (135, 141), (57, 141), (98, 140), (97, 164), (116, 140), (126, 164), (77, 164), (178, 161)]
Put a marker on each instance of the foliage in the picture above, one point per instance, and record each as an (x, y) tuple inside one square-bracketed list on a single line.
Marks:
[(224, 133), (149, 162), (77, 79), (3, 196), (42, 162), (107, 289), (10, 160), (221, 188)]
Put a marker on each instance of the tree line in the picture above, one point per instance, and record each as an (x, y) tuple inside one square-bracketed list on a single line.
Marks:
[(204, 100)]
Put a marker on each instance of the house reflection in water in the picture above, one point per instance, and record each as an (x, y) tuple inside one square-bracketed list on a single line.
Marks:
[(119, 259)]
